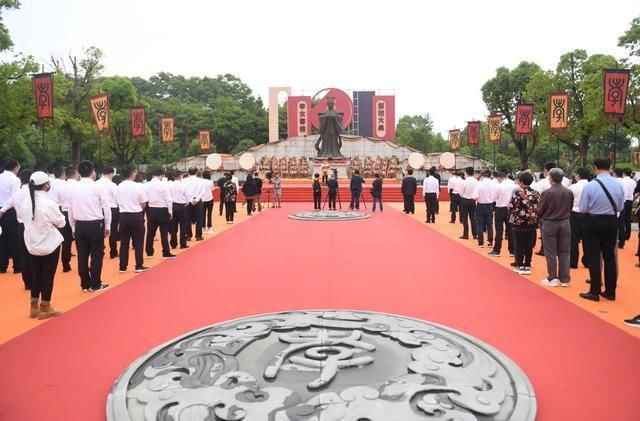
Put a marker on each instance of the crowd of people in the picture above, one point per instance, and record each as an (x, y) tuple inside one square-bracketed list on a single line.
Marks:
[(594, 210), (42, 214)]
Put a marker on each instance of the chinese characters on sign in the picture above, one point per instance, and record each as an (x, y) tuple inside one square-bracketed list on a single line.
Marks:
[(43, 93), (100, 110), (495, 128), (524, 119), (454, 139), (616, 84), (473, 132), (205, 140), (137, 121), (303, 119), (558, 111), (381, 118), (166, 125)]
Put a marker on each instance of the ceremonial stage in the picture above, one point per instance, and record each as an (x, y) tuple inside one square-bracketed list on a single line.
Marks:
[(581, 360)]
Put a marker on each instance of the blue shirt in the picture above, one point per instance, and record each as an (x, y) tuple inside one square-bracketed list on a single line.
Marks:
[(594, 201)]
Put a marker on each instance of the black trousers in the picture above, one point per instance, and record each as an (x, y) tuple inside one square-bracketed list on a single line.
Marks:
[(195, 213), (179, 225), (90, 244), (9, 241), (409, 204), (207, 214), (221, 206), (484, 221), (577, 236), (317, 200), (454, 206), (431, 200), (355, 199), (25, 258), (467, 216), (131, 229), (114, 236), (230, 208), (157, 218), (249, 205), (628, 210), (502, 226), (332, 199), (43, 269), (67, 241), (525, 241), (600, 234)]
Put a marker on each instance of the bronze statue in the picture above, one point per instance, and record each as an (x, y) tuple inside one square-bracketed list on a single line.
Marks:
[(329, 143)]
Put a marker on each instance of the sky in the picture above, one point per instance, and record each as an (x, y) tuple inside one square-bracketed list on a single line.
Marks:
[(435, 56)]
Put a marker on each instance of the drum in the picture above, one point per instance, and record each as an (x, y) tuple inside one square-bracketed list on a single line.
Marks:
[(213, 161), (416, 160), (247, 161), (447, 160)]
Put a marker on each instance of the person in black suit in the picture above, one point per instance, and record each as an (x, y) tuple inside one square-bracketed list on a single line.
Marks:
[(409, 188), (356, 189), (220, 184)]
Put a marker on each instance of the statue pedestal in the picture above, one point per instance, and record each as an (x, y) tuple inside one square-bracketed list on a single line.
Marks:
[(340, 164)]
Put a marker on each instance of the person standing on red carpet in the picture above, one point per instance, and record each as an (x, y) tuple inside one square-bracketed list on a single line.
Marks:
[(90, 219), (207, 203), (468, 205), (9, 184), (131, 200), (229, 193), (485, 196), (159, 213), (106, 183), (195, 191), (376, 191), (249, 192), (582, 176), (179, 200), (554, 210), (455, 184), (523, 208), (42, 239), (503, 195), (408, 189), (276, 182), (317, 192), (431, 190)]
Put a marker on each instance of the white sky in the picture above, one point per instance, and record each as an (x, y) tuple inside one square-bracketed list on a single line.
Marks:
[(434, 55)]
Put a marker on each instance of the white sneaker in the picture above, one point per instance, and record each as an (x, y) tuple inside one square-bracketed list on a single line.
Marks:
[(517, 269), (524, 271), (550, 283), (565, 284)]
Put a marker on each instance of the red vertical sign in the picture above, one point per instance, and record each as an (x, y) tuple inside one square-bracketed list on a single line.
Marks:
[(384, 117), (137, 121), (524, 119), (298, 116), (43, 92)]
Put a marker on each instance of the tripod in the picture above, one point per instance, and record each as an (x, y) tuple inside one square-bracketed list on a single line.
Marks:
[(327, 198), (364, 202)]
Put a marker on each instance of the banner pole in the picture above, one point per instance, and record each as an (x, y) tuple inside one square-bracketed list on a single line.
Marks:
[(44, 148), (558, 153), (495, 165), (615, 143), (100, 149)]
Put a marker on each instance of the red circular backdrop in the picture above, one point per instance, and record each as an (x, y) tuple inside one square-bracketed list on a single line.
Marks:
[(343, 104)]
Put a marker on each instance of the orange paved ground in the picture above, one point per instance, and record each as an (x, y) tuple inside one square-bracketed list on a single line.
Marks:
[(14, 300), (627, 302)]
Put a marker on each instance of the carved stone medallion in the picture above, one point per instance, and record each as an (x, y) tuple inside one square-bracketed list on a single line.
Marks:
[(329, 216), (323, 366)]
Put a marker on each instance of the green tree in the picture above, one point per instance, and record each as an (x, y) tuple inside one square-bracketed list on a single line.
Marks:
[(5, 39), (242, 146), (502, 94), (416, 131)]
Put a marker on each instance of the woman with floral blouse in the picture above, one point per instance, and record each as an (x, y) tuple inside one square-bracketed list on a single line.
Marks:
[(523, 209)]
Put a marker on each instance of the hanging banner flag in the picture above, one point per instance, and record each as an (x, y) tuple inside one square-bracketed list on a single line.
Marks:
[(495, 128), (137, 121), (616, 84), (636, 158), (43, 92), (558, 112), (473, 132), (166, 129), (524, 119), (454, 139), (205, 140), (100, 109)]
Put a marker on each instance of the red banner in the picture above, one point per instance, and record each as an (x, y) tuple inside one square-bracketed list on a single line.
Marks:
[(558, 112), (43, 93), (298, 116), (454, 139), (137, 121), (473, 132), (495, 128), (524, 119), (616, 84), (205, 140), (166, 129), (384, 117)]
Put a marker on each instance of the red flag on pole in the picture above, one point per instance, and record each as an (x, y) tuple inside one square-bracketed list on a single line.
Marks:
[(473, 132), (616, 84), (524, 119), (137, 121), (43, 92), (454, 139), (100, 110), (166, 129), (495, 128)]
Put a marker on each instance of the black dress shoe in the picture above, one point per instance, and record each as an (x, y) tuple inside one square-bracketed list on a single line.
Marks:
[(539, 253), (589, 296), (464, 237), (67, 269), (588, 281), (608, 296)]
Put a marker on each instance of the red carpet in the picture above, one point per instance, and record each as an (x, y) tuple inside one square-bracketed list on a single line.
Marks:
[(581, 367)]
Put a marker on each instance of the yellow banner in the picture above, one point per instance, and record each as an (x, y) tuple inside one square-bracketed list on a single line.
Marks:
[(100, 110), (454, 139), (558, 111), (205, 140), (166, 129), (495, 128)]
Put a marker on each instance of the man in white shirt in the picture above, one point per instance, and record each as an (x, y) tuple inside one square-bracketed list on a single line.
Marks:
[(159, 213), (179, 199), (62, 198), (109, 187), (131, 200), (195, 191), (90, 220), (431, 189), (484, 195), (207, 203), (9, 184), (622, 229), (503, 194), (455, 186), (629, 186), (468, 205), (582, 179), (17, 202)]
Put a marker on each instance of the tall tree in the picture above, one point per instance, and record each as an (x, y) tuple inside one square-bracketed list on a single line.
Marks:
[(502, 94), (416, 131), (5, 39), (81, 78)]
